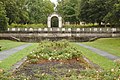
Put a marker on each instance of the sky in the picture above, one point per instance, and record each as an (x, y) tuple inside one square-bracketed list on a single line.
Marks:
[(54, 1)]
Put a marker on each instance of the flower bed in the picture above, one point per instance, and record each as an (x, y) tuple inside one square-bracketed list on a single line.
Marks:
[(48, 50), (53, 59), (59, 61)]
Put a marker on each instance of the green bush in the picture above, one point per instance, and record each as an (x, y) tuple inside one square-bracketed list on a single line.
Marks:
[(55, 51), (79, 26), (33, 61), (27, 26)]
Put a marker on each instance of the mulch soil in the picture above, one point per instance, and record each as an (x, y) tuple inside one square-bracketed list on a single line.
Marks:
[(54, 68)]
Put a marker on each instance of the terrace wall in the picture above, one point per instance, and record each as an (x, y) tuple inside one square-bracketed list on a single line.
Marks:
[(72, 34)]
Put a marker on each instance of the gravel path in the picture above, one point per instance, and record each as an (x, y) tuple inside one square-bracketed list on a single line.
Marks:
[(100, 52), (7, 53)]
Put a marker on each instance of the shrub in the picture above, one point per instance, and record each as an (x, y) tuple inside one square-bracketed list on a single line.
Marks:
[(27, 26), (80, 26), (55, 51), (33, 61)]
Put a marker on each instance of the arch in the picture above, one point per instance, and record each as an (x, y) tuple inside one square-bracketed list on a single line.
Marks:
[(54, 21), (59, 20)]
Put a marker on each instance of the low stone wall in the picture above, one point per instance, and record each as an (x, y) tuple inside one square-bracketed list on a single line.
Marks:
[(36, 37), (72, 34), (69, 30)]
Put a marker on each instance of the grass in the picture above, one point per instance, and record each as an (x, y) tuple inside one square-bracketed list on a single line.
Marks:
[(111, 45), (7, 44), (97, 59), (11, 60)]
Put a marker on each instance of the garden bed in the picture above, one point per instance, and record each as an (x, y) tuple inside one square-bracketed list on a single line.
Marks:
[(54, 69), (53, 59), (60, 60)]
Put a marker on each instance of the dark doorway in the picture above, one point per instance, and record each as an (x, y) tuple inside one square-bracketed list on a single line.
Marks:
[(54, 21)]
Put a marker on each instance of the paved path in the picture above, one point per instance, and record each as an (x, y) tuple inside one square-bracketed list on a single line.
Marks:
[(7, 53), (100, 52)]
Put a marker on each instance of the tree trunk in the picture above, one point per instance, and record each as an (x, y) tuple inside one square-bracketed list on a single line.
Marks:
[(99, 23)]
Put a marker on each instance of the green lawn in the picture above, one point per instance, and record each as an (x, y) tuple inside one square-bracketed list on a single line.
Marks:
[(111, 45), (11, 60), (97, 59), (7, 44)]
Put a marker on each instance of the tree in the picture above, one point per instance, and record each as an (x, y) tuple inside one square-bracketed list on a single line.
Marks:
[(23, 16), (39, 10), (28, 11), (69, 10), (92, 11), (3, 19), (113, 16), (11, 10)]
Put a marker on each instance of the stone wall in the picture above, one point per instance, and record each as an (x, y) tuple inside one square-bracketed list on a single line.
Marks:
[(72, 34), (84, 30)]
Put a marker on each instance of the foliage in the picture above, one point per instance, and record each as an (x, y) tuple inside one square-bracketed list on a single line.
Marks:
[(80, 26), (73, 11), (39, 10), (112, 74), (69, 9), (54, 22), (24, 12), (114, 13), (11, 10), (90, 11), (27, 26), (54, 51), (3, 19), (23, 15)]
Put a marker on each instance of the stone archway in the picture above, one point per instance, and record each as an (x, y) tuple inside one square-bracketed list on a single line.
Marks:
[(54, 22), (59, 20)]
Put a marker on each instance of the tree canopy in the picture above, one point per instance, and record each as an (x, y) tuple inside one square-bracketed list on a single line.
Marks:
[(73, 11), (90, 11), (24, 11), (39, 10), (3, 18), (69, 9)]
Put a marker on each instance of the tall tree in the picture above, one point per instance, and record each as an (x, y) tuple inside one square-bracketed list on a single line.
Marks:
[(3, 19), (39, 10), (93, 10), (23, 16), (69, 10), (113, 16), (11, 10)]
